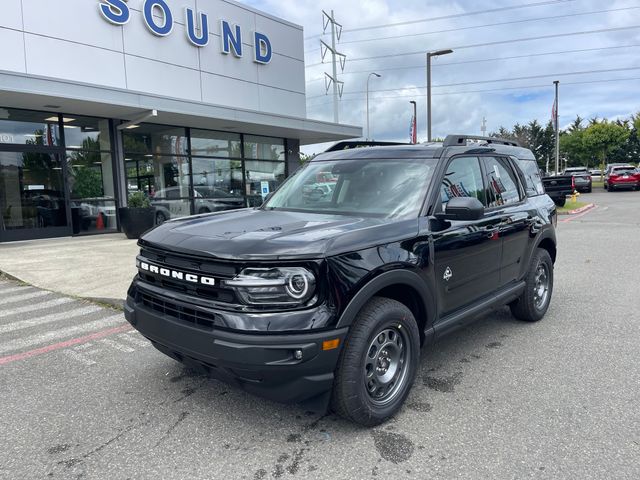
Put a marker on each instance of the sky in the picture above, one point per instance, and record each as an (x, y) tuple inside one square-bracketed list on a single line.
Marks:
[(599, 72)]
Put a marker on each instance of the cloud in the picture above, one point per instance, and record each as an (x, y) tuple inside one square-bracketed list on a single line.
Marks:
[(460, 108)]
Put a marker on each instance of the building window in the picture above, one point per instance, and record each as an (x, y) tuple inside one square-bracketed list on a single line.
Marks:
[(206, 143), (22, 127), (90, 171), (148, 139), (262, 178), (263, 148)]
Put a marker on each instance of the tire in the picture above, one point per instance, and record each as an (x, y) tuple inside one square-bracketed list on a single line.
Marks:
[(364, 361), (560, 201), (203, 210), (160, 218), (530, 307), (589, 190)]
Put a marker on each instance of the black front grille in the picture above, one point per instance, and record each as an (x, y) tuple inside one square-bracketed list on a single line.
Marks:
[(180, 261), (216, 293), (193, 316)]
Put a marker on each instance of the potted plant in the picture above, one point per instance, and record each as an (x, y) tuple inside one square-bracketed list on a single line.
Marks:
[(138, 216)]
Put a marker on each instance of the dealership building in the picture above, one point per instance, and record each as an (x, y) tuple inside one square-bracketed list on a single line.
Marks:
[(198, 104)]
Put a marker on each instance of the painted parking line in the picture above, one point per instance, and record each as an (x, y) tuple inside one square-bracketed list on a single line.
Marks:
[(66, 344), (21, 298), (53, 317), (35, 307), (22, 343)]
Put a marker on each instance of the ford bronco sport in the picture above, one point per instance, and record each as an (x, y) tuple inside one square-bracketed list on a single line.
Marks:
[(332, 295)]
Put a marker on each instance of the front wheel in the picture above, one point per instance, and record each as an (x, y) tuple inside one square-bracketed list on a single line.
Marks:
[(378, 363), (533, 303)]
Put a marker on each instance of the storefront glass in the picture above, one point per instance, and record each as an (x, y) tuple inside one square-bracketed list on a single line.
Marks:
[(31, 191), (20, 127)]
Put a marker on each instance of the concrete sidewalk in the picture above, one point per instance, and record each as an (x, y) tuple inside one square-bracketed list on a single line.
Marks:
[(98, 267)]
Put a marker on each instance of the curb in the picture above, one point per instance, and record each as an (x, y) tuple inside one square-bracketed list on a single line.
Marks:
[(578, 210)]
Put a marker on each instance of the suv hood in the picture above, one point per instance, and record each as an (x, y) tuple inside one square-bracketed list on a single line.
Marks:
[(253, 234)]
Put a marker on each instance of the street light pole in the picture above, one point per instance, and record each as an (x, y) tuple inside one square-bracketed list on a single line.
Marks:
[(429, 55), (368, 78)]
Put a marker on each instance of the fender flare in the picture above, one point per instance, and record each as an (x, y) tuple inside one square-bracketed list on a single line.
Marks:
[(546, 234), (387, 279)]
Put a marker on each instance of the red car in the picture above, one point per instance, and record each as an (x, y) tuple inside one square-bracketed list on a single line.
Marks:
[(626, 176)]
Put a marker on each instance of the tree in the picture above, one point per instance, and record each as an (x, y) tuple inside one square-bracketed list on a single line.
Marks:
[(576, 125), (605, 138), (574, 149)]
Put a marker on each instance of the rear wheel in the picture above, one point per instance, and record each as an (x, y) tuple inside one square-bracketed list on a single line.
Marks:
[(533, 303), (378, 363), (560, 201)]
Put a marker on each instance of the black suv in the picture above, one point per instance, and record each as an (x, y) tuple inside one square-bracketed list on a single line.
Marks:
[(330, 289)]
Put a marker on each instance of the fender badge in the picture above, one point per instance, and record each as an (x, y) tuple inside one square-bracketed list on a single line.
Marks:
[(448, 274)]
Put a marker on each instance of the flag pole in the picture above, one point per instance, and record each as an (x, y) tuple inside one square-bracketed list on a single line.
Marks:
[(555, 120)]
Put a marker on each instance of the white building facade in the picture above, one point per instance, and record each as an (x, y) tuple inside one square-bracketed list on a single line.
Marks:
[(198, 104)]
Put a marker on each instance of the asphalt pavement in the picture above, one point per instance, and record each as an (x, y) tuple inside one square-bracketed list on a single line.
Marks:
[(84, 396)]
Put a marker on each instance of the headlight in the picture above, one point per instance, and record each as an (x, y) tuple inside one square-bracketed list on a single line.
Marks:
[(274, 286)]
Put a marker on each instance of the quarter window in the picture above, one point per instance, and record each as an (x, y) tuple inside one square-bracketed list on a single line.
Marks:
[(501, 184), (462, 179)]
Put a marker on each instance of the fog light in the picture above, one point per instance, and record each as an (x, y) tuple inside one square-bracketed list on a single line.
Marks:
[(297, 354)]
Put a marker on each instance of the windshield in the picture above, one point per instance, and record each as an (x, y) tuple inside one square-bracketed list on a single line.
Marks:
[(380, 188)]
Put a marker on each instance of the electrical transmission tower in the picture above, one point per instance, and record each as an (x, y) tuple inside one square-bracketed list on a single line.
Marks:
[(332, 80)]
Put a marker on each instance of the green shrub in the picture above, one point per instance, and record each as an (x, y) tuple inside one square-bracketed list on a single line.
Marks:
[(138, 200)]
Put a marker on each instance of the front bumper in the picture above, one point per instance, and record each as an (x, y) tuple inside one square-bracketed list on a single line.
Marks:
[(263, 364)]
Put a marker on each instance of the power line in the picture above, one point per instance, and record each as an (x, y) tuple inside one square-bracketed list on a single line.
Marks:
[(511, 22), (455, 15), (499, 42), (478, 82), (482, 60), (523, 87)]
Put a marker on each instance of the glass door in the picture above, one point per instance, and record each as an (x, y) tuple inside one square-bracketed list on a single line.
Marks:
[(32, 196)]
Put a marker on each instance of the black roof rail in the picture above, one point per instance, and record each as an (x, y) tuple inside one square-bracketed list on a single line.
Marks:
[(360, 144), (461, 140)]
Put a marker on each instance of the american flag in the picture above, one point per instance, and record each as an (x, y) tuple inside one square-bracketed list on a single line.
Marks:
[(413, 131)]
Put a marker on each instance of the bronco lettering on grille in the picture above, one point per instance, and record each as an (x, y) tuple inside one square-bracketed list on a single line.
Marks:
[(175, 274)]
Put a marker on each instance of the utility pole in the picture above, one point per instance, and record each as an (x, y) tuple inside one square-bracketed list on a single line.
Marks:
[(483, 127), (555, 120), (336, 33), (429, 55)]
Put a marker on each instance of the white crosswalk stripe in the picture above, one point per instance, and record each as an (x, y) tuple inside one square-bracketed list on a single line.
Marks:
[(134, 337), (53, 317), (79, 357), (34, 307), (5, 291), (60, 334), (26, 296), (117, 346)]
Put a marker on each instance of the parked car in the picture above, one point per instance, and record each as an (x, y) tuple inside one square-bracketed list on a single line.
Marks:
[(622, 177), (581, 178), (558, 187), (332, 301)]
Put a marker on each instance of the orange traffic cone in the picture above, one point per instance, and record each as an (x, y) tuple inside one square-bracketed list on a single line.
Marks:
[(100, 222)]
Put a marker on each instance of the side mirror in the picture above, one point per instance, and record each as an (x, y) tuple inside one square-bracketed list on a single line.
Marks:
[(462, 208)]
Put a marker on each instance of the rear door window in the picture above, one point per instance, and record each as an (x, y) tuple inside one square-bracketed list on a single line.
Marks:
[(501, 182), (532, 177)]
